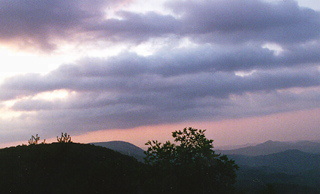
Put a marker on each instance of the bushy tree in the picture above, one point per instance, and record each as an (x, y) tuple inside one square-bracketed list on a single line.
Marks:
[(190, 166)]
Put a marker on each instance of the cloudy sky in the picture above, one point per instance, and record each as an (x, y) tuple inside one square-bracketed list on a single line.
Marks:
[(245, 70)]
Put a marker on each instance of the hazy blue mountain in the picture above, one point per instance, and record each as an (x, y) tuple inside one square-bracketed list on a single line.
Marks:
[(291, 171), (289, 161), (124, 148), (271, 147), (283, 166)]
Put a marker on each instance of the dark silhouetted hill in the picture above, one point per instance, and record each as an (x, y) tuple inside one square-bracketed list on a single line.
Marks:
[(124, 148), (68, 168), (271, 147)]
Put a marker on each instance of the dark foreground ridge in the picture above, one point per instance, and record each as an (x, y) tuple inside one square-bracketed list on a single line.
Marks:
[(84, 168), (68, 168)]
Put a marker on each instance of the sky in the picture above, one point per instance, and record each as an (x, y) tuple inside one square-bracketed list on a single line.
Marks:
[(248, 71)]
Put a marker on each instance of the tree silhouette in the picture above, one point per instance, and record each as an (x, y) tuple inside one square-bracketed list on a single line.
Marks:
[(35, 139), (65, 138), (191, 166)]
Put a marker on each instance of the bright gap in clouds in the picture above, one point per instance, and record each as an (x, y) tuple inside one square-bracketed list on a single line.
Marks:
[(138, 6), (6, 111), (54, 95), (313, 4), (276, 48), (143, 6), (14, 62), (157, 44), (244, 73)]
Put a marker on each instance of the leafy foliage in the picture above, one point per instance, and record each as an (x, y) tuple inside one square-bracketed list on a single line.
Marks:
[(191, 166)]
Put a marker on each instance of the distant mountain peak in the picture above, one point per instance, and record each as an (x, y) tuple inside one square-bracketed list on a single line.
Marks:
[(268, 142), (271, 142)]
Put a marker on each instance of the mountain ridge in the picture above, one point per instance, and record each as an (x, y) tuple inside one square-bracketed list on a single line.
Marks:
[(124, 148), (290, 161), (271, 147)]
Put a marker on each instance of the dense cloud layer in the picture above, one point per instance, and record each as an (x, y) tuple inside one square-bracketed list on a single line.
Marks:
[(246, 57), (235, 21), (133, 73), (36, 23)]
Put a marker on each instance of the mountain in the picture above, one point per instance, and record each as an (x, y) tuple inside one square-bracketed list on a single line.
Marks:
[(271, 147), (289, 161), (291, 171), (124, 148), (85, 168), (68, 168)]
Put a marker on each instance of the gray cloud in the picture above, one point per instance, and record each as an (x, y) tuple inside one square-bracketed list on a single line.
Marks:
[(224, 22), (34, 23), (237, 21), (174, 84), (121, 99), (43, 24), (136, 27), (206, 66)]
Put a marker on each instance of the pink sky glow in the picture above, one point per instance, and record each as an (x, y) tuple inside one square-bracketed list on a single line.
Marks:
[(290, 126)]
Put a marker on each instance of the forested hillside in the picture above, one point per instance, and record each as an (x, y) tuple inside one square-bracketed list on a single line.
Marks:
[(67, 167)]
